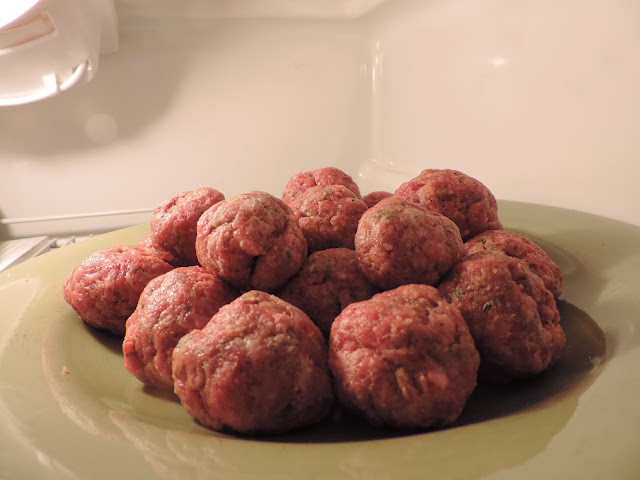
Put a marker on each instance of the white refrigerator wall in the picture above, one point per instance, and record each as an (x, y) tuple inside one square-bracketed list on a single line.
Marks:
[(538, 100)]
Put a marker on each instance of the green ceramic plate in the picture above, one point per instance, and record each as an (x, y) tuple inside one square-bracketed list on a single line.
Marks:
[(69, 410)]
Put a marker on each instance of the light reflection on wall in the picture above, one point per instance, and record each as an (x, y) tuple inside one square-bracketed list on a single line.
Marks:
[(101, 128)]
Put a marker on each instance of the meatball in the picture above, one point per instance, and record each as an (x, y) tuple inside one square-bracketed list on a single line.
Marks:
[(404, 358), (104, 288), (374, 197), (173, 224), (252, 241), (321, 176), (525, 249), (328, 281), (170, 306), (513, 318), (147, 243), (328, 216), (259, 366), (462, 198), (400, 242)]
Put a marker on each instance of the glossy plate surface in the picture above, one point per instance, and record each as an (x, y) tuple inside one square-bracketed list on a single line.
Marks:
[(69, 410)]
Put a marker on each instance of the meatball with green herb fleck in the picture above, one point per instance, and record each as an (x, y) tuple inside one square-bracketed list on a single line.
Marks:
[(170, 306), (456, 195), (512, 316), (328, 281), (252, 241), (328, 216), (519, 246), (146, 243), (320, 177), (104, 289), (174, 223), (400, 242), (259, 366), (403, 359), (372, 198)]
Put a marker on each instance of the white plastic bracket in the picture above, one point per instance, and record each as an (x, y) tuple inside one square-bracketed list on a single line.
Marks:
[(54, 45)]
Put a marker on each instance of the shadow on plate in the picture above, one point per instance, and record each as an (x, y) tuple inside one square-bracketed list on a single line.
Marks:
[(107, 339)]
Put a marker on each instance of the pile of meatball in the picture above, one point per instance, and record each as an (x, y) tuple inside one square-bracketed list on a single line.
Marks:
[(263, 313)]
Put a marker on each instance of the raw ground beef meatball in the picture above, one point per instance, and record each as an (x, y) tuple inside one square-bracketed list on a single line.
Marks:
[(400, 242), (512, 316), (525, 249), (147, 243), (173, 224), (328, 216), (170, 306), (104, 288), (321, 176), (374, 197), (328, 281), (404, 358), (462, 198), (251, 241), (259, 366)]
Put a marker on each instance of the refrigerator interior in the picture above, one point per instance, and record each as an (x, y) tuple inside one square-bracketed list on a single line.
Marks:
[(539, 103)]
